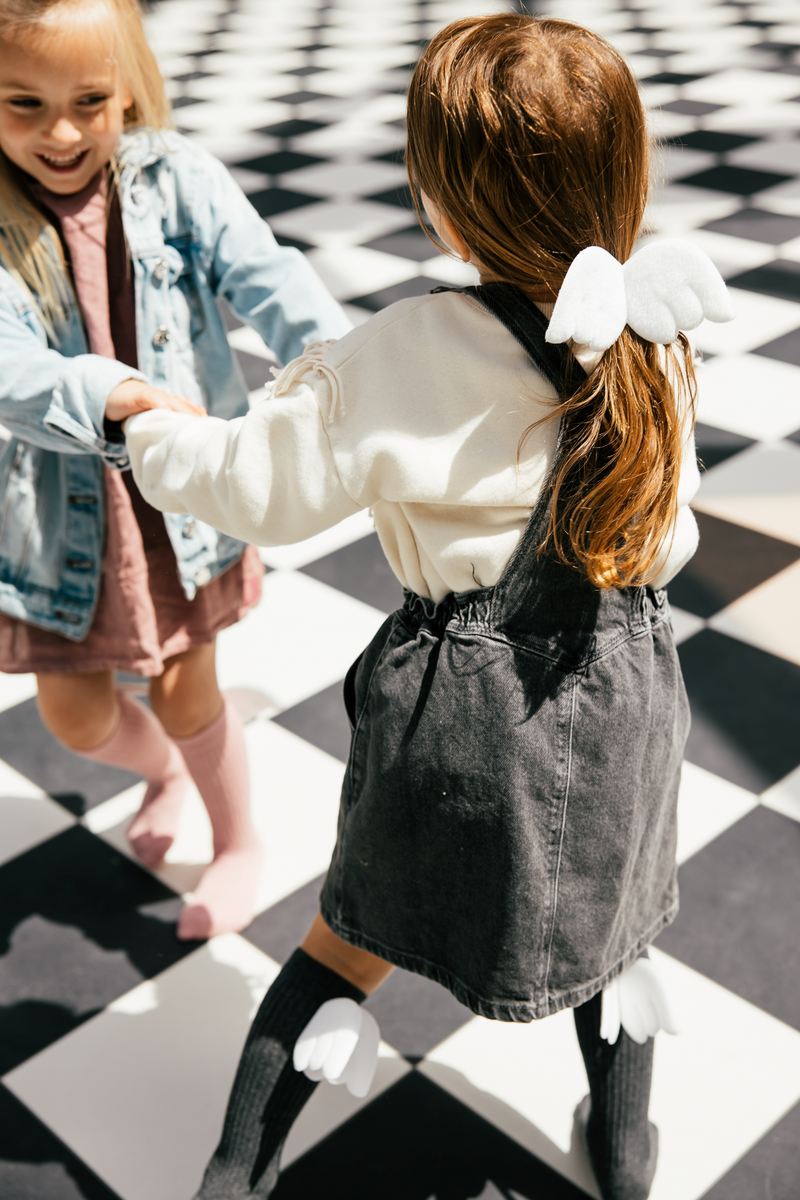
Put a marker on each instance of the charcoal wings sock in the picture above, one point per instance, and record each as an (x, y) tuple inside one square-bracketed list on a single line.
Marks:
[(622, 1141), (268, 1093)]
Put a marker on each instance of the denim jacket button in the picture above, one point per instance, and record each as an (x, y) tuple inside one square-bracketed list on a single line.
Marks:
[(202, 577), (161, 269), (161, 336)]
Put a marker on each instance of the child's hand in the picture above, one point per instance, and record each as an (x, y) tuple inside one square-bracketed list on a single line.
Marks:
[(133, 396)]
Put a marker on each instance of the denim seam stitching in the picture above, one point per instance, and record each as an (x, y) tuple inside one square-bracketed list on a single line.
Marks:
[(546, 980)]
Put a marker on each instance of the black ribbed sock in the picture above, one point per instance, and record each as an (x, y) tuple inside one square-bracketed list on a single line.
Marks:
[(268, 1093), (623, 1143)]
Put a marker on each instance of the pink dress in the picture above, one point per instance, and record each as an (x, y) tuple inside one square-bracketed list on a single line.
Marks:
[(142, 616)]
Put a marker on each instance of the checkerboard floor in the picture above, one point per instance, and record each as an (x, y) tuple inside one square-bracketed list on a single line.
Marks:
[(117, 1042)]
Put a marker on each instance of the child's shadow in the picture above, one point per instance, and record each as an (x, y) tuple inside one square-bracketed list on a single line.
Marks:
[(417, 1142)]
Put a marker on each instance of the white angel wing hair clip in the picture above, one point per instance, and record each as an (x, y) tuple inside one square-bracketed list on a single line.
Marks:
[(666, 287)]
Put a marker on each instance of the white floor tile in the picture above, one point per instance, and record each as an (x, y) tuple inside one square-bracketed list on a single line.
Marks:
[(139, 1092), (684, 624), (679, 207), (15, 689), (759, 488), (217, 117), (749, 394), (332, 226), (758, 320), (707, 806), (526, 1079), (782, 156), (784, 796), (717, 1088), (729, 87), (27, 814), (295, 801), (357, 271), (343, 534), (359, 179), (450, 270), (284, 647), (246, 339)]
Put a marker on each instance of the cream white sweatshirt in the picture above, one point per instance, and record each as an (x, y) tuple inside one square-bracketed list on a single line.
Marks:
[(417, 414)]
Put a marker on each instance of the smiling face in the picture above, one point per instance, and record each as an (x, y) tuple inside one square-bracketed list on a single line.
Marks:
[(62, 102)]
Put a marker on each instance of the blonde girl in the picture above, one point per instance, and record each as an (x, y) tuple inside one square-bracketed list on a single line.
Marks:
[(507, 821), (116, 238)]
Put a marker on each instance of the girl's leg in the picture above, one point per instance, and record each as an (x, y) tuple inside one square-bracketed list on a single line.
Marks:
[(622, 1141), (207, 731), (268, 1093), (89, 715)]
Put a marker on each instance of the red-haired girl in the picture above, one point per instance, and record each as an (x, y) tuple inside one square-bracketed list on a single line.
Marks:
[(507, 822)]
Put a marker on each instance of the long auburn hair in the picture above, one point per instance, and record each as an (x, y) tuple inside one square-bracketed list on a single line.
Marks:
[(531, 137), (29, 246)]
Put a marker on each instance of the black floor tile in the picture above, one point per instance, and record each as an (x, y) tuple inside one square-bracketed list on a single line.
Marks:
[(271, 201), (399, 196), (292, 128), (77, 783), (794, 437), (302, 97), (416, 1142), (280, 929), (740, 897), (780, 278), (741, 181), (675, 77), (185, 101), (744, 710), (784, 349), (255, 370), (407, 243), (730, 561), (396, 157), (710, 140), (280, 162), (80, 925), (692, 108), (770, 1170), (758, 225), (415, 1014), (418, 286), (716, 445), (283, 240), (35, 1165), (360, 570), (321, 720)]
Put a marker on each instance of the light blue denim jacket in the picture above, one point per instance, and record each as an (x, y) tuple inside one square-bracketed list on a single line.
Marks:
[(192, 236)]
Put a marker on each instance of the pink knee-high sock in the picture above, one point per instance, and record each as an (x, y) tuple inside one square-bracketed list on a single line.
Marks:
[(139, 743), (224, 900)]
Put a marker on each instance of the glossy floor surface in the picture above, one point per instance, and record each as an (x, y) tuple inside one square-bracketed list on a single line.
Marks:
[(117, 1042)]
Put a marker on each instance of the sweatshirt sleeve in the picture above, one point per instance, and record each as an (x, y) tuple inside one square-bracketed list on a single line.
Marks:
[(268, 478)]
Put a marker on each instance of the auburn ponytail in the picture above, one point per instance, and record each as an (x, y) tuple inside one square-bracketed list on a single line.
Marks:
[(531, 137)]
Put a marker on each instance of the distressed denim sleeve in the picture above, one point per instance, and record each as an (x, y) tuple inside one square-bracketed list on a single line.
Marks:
[(272, 288), (52, 400)]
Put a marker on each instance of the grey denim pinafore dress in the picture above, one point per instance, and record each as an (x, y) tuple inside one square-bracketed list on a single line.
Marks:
[(507, 823)]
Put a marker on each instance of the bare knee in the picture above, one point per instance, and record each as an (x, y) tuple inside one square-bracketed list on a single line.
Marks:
[(186, 697), (80, 710)]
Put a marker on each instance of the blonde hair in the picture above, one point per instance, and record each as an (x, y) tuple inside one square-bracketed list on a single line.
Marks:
[(531, 137), (29, 246)]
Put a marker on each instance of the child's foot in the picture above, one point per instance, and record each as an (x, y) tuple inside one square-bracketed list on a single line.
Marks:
[(225, 899), (155, 826)]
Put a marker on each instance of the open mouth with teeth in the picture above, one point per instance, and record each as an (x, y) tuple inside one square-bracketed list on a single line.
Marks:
[(62, 162)]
